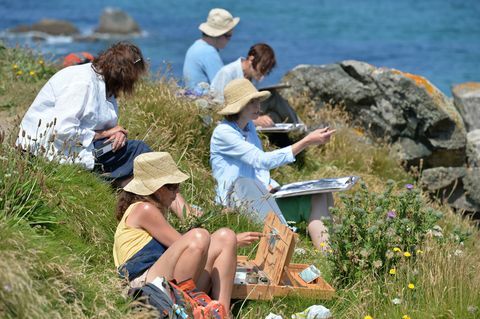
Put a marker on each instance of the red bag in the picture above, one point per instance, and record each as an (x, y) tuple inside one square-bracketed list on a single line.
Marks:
[(202, 306)]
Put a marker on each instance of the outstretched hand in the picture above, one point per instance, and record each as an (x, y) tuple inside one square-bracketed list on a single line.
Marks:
[(320, 136), (248, 238)]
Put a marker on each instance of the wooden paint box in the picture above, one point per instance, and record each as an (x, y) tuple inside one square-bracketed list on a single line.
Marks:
[(272, 262)]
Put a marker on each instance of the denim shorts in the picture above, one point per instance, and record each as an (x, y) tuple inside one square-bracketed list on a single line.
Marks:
[(142, 260)]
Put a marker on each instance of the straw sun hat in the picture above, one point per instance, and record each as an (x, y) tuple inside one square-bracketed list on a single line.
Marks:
[(238, 93), (153, 170), (219, 22)]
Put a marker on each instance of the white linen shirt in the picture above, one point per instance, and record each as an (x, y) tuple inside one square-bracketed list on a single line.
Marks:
[(238, 153), (63, 118), (226, 74)]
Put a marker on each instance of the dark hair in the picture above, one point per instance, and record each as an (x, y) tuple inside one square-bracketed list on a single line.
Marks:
[(125, 199), (263, 57), (121, 66), (232, 117)]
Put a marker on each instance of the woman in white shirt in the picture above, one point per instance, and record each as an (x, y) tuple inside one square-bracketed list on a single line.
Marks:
[(75, 114)]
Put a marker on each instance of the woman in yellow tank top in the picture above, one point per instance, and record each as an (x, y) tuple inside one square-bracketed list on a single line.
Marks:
[(147, 246)]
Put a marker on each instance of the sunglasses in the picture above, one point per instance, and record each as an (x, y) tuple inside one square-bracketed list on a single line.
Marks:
[(228, 36), (172, 187)]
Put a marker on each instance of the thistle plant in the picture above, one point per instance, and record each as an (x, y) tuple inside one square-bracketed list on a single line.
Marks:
[(373, 232)]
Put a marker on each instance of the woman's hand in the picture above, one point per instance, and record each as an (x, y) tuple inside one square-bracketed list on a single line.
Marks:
[(320, 136), (248, 238), (317, 137), (108, 133), (264, 121), (118, 140)]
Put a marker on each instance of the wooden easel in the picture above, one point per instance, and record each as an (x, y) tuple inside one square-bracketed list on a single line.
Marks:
[(273, 257)]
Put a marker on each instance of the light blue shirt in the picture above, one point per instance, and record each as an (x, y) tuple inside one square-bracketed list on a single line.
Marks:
[(202, 63), (238, 153)]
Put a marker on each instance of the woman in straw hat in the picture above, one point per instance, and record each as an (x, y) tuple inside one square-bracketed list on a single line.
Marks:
[(147, 246), (202, 60), (236, 153)]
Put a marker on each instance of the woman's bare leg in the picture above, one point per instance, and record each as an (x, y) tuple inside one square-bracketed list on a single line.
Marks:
[(184, 259), (316, 228), (220, 267)]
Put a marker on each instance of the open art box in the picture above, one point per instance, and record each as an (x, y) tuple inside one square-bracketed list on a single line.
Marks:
[(271, 274)]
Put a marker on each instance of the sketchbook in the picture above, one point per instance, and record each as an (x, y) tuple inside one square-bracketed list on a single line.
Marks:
[(282, 128), (322, 185), (277, 86)]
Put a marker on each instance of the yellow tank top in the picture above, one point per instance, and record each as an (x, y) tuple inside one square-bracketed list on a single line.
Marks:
[(128, 240)]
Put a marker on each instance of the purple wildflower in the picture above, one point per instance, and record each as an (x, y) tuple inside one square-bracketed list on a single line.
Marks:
[(391, 214), (409, 186)]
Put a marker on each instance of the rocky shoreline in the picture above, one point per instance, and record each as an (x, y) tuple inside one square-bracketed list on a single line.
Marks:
[(112, 22)]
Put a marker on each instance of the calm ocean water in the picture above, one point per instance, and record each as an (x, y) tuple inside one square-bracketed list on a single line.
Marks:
[(439, 39)]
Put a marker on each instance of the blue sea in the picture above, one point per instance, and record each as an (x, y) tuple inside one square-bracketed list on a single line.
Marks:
[(438, 39)]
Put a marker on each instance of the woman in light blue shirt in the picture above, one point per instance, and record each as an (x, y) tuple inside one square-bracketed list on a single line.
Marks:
[(236, 152)]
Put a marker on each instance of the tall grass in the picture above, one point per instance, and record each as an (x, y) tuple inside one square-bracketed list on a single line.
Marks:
[(57, 223)]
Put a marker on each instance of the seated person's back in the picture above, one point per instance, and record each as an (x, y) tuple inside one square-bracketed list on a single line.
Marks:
[(202, 60)]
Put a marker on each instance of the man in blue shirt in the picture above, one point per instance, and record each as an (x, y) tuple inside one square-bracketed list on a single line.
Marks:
[(202, 60)]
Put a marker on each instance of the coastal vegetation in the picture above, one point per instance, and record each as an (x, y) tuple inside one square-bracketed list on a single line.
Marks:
[(395, 253)]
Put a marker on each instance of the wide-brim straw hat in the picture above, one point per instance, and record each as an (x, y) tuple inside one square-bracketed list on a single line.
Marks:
[(219, 22), (153, 170), (238, 93)]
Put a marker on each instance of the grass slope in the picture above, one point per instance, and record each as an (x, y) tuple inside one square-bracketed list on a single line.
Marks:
[(57, 224)]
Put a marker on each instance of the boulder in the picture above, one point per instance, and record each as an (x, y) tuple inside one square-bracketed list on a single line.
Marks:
[(471, 182), (401, 108), (458, 186), (439, 178), (48, 26), (466, 97), (473, 148), (116, 21)]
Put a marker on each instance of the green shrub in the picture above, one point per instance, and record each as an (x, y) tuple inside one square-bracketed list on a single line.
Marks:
[(375, 231)]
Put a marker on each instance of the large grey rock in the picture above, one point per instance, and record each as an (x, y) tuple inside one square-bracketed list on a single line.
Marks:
[(438, 178), (48, 26), (457, 186), (473, 148), (399, 107), (410, 151), (116, 21), (471, 183), (466, 97)]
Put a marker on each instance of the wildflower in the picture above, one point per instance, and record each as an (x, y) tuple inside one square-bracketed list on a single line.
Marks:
[(406, 317), (322, 244), (32, 73), (396, 301), (15, 66), (409, 186), (411, 286), (419, 251), (330, 251), (19, 72), (396, 249), (300, 251), (407, 254), (391, 214), (377, 264), (368, 317), (457, 253), (472, 309), (392, 271), (41, 62)]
